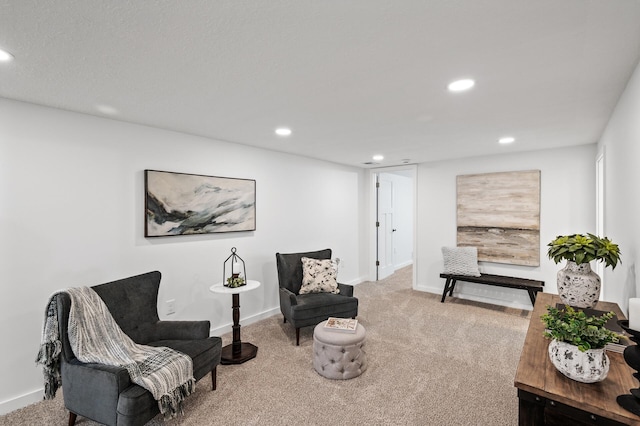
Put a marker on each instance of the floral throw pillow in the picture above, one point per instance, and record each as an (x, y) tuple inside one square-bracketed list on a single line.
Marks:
[(319, 276)]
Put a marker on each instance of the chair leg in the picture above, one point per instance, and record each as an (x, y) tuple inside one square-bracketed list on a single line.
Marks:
[(298, 336), (285, 319), (72, 418), (213, 378)]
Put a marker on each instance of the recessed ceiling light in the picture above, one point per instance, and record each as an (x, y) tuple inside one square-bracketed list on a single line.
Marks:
[(461, 85), (107, 109), (506, 139), (378, 157), (283, 131), (5, 56)]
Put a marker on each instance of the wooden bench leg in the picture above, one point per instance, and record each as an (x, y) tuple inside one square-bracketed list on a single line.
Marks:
[(453, 285), (448, 287)]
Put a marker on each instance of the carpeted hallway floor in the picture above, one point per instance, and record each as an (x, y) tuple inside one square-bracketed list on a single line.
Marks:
[(430, 363)]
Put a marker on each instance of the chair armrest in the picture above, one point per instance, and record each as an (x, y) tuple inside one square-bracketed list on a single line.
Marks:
[(107, 375), (93, 389), (180, 330), (346, 289), (287, 297)]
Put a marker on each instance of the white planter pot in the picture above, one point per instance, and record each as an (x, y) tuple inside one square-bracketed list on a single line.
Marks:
[(578, 285), (586, 367)]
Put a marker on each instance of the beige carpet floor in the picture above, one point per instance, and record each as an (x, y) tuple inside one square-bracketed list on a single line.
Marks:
[(430, 363)]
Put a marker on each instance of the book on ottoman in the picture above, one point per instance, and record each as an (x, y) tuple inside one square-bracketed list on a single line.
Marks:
[(344, 325)]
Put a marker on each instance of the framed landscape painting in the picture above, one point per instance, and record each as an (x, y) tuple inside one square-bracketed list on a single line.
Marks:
[(184, 204), (499, 213)]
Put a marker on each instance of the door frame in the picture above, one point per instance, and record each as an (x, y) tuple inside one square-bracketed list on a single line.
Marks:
[(600, 203), (372, 217)]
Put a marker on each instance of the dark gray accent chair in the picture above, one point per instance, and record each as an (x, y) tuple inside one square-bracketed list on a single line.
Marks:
[(303, 310), (106, 394)]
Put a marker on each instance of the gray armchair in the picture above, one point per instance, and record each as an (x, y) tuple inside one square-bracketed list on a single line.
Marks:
[(106, 394), (303, 310)]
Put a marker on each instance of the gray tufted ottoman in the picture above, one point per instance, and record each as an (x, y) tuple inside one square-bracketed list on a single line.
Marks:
[(338, 355)]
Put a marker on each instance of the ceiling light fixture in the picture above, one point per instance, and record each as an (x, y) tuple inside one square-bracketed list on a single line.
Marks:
[(283, 131), (506, 140), (5, 56), (378, 157), (461, 85), (107, 109)]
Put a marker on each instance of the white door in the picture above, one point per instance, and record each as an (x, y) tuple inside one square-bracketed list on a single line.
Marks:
[(385, 229)]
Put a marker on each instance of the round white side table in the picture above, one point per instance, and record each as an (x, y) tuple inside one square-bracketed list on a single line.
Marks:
[(238, 351)]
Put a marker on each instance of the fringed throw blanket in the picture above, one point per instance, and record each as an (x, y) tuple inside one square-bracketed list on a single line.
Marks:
[(96, 337)]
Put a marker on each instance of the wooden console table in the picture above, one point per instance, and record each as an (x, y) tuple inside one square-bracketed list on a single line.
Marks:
[(546, 397)]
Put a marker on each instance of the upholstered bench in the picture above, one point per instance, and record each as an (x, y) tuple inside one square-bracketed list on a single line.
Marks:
[(339, 355)]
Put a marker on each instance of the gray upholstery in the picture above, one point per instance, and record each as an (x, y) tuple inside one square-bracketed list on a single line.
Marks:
[(339, 355), (304, 310), (106, 394)]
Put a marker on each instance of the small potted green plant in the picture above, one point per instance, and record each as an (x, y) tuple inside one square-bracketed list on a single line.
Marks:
[(236, 281), (578, 285), (578, 341)]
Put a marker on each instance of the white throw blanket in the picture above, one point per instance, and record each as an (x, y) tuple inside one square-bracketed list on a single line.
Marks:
[(95, 337)]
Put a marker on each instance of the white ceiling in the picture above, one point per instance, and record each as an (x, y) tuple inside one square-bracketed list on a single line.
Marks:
[(351, 78)]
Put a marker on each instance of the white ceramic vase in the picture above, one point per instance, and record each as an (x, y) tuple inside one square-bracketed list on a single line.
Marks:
[(578, 285), (587, 367)]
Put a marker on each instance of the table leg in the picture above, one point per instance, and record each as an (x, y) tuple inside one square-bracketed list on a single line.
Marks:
[(237, 352)]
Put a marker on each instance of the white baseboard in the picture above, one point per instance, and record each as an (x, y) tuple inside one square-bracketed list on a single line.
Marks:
[(245, 321), (266, 314), (356, 281), (21, 401), (403, 264)]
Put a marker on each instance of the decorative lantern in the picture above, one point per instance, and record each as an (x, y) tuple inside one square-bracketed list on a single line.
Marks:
[(235, 265)]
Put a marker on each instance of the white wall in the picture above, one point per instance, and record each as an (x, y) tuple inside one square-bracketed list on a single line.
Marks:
[(71, 206), (567, 205), (72, 211), (620, 143)]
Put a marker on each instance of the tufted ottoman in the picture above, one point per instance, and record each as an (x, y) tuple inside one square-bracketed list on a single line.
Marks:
[(338, 355)]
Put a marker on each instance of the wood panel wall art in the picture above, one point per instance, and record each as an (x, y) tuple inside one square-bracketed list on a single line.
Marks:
[(499, 213)]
